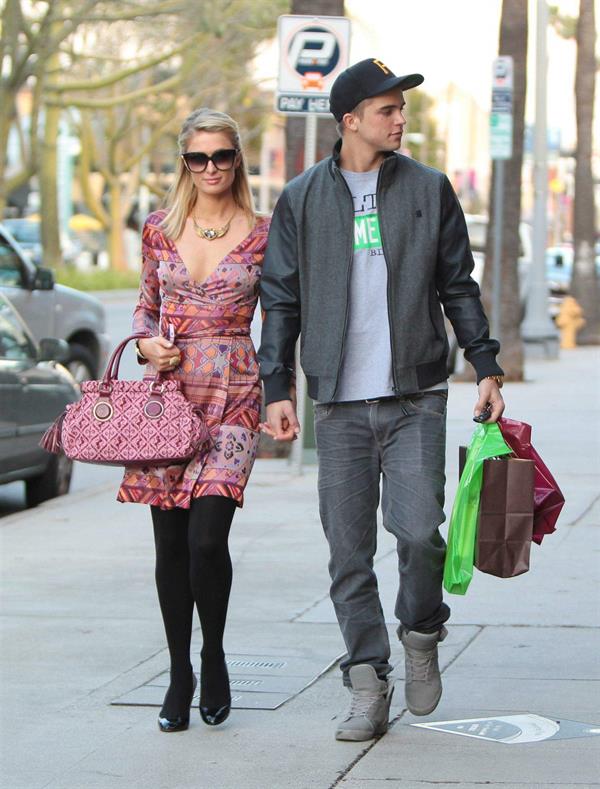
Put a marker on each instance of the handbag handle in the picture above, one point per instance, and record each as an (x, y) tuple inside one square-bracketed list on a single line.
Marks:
[(112, 368)]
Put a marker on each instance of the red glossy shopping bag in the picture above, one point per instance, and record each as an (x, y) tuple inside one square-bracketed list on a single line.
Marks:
[(548, 498)]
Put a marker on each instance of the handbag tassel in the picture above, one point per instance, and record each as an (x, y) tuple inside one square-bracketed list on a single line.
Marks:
[(51, 441)]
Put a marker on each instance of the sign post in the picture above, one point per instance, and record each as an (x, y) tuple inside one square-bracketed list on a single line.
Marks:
[(312, 52), (501, 148)]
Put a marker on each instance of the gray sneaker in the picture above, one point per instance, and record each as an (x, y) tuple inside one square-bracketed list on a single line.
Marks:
[(423, 684), (370, 705)]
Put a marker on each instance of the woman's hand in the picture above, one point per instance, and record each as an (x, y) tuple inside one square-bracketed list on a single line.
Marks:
[(160, 352)]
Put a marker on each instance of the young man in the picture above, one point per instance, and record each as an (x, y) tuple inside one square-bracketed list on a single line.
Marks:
[(364, 250)]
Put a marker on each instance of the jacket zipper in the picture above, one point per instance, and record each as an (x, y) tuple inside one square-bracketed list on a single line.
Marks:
[(339, 367), (389, 279)]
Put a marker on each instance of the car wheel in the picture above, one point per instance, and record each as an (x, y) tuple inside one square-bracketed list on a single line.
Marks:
[(55, 481), (81, 364)]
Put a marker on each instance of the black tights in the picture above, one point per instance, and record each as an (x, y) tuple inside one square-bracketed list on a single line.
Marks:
[(193, 566)]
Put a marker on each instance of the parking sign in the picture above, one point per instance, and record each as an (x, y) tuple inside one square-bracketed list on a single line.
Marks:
[(312, 52), (501, 116)]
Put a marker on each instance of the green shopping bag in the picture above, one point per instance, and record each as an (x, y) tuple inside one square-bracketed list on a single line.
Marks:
[(486, 442)]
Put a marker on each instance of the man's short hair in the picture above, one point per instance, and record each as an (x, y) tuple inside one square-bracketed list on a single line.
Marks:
[(358, 110)]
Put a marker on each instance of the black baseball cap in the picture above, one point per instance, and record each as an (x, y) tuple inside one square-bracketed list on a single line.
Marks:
[(364, 80)]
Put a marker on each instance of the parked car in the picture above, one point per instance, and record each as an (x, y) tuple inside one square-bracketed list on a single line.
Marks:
[(34, 389), (557, 271), (52, 310), (27, 232), (477, 229)]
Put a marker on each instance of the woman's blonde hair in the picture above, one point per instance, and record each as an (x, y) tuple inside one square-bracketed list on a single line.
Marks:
[(181, 197)]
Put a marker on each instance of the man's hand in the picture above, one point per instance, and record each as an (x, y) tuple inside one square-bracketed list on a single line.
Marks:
[(282, 422), (489, 393)]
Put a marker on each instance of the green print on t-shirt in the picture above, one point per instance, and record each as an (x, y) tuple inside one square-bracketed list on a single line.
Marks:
[(366, 232)]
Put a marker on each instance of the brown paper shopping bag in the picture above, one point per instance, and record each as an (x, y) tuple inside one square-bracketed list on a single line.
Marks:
[(505, 521)]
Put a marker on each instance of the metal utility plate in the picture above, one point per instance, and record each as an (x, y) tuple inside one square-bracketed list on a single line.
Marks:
[(515, 729), (257, 681)]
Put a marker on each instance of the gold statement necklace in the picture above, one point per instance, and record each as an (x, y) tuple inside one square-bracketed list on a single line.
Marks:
[(210, 233)]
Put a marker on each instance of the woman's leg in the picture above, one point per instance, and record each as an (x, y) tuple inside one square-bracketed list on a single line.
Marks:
[(210, 580), (176, 603)]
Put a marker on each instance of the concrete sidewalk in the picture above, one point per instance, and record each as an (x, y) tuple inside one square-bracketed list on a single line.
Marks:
[(81, 627)]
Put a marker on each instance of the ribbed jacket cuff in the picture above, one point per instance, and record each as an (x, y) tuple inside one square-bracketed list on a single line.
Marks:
[(277, 387), (485, 364)]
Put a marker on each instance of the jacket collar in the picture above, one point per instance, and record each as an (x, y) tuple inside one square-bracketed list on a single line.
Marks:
[(388, 165)]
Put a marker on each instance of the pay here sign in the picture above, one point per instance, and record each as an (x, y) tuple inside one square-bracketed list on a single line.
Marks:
[(312, 52)]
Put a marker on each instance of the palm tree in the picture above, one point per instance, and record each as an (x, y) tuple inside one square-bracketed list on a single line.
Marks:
[(584, 285), (513, 42)]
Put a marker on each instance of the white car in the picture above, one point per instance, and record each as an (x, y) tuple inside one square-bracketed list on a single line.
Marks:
[(52, 310)]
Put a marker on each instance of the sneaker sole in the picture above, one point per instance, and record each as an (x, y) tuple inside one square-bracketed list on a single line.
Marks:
[(357, 736), (351, 735), (427, 711)]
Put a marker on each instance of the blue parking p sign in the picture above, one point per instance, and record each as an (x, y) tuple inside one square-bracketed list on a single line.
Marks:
[(312, 52)]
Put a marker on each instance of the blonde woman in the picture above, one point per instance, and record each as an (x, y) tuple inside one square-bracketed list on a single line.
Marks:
[(202, 259)]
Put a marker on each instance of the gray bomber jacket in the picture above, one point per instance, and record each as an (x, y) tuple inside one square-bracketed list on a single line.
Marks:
[(306, 275)]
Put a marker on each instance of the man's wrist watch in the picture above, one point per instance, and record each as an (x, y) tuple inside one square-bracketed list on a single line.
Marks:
[(499, 379)]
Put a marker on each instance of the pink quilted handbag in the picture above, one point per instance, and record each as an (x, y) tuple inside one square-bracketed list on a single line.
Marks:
[(118, 423)]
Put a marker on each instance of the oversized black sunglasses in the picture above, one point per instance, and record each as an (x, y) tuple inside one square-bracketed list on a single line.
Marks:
[(197, 162)]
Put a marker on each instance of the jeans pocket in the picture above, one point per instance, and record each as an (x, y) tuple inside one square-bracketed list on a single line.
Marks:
[(433, 403), (321, 410)]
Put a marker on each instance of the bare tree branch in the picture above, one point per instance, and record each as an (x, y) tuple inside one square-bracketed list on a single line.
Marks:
[(119, 76), (159, 132), (168, 7), (99, 104)]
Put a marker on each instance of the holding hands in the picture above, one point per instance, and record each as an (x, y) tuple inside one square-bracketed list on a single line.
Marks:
[(282, 422)]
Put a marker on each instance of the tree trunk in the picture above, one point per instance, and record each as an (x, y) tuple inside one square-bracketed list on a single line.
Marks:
[(294, 127), (513, 41), (49, 189), (6, 101), (116, 240), (584, 286)]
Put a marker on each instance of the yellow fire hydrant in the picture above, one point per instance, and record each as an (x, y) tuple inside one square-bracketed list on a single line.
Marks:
[(569, 320)]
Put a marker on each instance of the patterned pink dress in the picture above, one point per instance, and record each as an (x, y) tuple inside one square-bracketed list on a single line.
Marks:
[(218, 368)]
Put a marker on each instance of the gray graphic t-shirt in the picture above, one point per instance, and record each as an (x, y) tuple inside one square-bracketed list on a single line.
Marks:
[(366, 370)]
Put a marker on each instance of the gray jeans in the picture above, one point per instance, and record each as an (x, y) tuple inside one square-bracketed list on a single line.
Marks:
[(403, 441)]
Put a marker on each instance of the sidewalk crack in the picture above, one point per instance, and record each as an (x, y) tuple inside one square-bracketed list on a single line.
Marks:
[(395, 720), (586, 511)]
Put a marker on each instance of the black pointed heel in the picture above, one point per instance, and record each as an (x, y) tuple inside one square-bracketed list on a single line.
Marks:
[(214, 714), (181, 722)]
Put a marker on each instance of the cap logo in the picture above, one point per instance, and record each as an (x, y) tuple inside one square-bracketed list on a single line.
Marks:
[(382, 66)]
